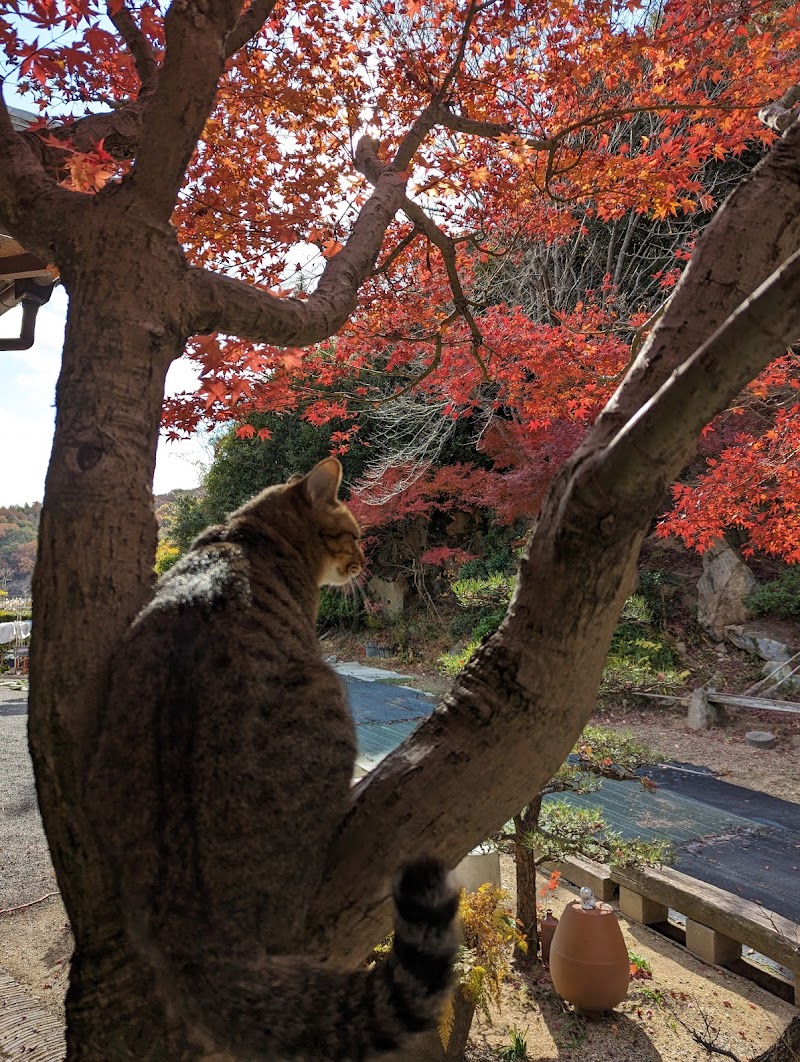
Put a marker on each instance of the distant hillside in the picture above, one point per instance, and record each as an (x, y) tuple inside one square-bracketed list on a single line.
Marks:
[(166, 510), (19, 526)]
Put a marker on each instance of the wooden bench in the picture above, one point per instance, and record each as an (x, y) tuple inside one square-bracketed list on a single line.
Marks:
[(595, 876), (718, 923)]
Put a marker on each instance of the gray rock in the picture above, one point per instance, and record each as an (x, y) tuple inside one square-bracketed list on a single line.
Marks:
[(760, 739), (725, 583), (701, 715), (391, 593), (754, 639), (781, 674)]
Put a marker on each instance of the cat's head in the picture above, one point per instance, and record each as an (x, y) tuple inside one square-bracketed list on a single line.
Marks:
[(338, 530)]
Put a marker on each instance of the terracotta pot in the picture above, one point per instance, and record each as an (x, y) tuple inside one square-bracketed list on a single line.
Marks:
[(588, 958), (547, 928)]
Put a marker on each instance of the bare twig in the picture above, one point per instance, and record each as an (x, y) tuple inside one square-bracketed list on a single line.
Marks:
[(395, 253), (31, 903), (709, 1041)]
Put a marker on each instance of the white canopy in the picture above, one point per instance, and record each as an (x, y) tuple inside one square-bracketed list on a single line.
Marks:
[(14, 631)]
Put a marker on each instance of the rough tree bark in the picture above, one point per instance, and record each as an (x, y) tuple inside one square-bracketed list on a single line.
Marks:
[(519, 706), (787, 1048), (525, 859)]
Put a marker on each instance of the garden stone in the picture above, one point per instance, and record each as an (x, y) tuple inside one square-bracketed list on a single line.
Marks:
[(781, 673), (391, 593), (754, 639), (760, 739), (725, 583), (702, 715)]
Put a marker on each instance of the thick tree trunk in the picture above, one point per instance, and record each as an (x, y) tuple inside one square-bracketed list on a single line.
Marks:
[(94, 568), (787, 1048), (526, 878)]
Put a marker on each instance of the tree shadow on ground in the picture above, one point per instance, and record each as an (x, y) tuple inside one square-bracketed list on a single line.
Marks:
[(575, 1035), (555, 1032)]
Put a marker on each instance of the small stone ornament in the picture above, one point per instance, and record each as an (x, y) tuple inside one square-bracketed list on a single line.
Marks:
[(587, 899)]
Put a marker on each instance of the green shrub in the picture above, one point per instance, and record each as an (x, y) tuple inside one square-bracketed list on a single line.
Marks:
[(655, 587), (492, 590), (622, 675), (633, 642), (780, 596), (637, 609), (9, 617), (461, 624), (167, 554), (452, 663), (640, 657), (499, 556), (338, 609), (565, 829), (474, 569), (488, 624)]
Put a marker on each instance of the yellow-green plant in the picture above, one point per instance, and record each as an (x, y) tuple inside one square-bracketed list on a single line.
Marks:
[(167, 553), (489, 932)]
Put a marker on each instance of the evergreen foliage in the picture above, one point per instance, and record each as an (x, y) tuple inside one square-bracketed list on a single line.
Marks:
[(780, 596)]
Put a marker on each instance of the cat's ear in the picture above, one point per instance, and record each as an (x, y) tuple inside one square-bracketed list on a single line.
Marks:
[(322, 482)]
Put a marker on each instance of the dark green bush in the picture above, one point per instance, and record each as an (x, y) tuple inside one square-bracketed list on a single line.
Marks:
[(488, 624), (338, 609), (474, 569), (780, 596), (656, 587), (461, 625), (642, 645)]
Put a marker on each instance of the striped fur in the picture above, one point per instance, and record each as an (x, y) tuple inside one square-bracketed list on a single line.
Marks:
[(222, 772)]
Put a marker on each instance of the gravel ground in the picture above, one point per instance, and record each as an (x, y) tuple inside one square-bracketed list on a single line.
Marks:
[(26, 872), (655, 1023)]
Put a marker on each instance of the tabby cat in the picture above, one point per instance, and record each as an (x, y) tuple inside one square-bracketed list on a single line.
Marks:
[(220, 694)]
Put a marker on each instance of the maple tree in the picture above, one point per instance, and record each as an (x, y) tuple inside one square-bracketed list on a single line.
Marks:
[(405, 147)]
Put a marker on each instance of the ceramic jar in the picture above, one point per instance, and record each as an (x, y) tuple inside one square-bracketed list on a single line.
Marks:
[(588, 958), (547, 928)]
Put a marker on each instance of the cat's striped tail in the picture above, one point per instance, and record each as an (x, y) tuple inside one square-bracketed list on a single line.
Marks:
[(295, 1009), (410, 987)]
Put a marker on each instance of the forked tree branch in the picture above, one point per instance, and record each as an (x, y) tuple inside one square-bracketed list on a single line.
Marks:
[(138, 45), (250, 23), (120, 128), (30, 200), (184, 98), (520, 704), (218, 303)]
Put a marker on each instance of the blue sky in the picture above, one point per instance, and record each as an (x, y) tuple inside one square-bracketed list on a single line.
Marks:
[(27, 413)]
